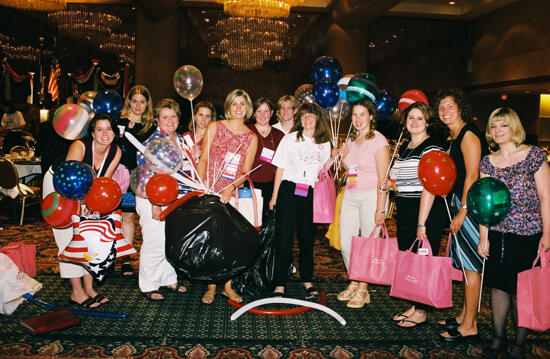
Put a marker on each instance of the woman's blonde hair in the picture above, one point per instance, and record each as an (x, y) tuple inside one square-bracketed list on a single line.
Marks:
[(167, 103), (147, 117), (231, 98), (371, 109), (281, 102), (512, 120)]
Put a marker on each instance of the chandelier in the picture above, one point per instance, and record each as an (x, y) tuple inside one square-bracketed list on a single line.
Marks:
[(43, 5), (95, 27), (259, 8), (245, 43), (19, 52), (123, 45)]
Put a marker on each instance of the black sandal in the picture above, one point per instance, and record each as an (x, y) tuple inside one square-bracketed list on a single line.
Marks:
[(176, 288), (310, 295), (99, 299), (450, 323), (149, 295), (126, 269), (86, 303)]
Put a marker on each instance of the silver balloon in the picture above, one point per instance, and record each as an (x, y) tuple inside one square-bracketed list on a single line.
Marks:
[(340, 109), (188, 82)]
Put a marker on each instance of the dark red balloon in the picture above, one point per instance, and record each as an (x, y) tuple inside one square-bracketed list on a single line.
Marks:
[(104, 196), (57, 210), (437, 172), (162, 189)]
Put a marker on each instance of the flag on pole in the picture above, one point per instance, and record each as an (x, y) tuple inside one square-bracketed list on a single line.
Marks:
[(55, 72)]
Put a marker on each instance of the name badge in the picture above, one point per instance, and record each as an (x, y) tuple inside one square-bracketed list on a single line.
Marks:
[(188, 141), (121, 129), (301, 189), (267, 155), (231, 165), (423, 251), (352, 180)]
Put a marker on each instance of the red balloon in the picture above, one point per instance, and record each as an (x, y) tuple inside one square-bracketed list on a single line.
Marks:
[(57, 210), (410, 97), (162, 189), (104, 196), (437, 172)]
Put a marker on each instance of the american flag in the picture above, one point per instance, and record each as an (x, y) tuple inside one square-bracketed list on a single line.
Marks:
[(55, 72)]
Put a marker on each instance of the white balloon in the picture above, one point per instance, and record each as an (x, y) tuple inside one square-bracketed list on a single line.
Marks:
[(282, 300)]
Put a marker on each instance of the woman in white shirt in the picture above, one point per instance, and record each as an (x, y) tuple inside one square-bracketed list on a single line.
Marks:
[(299, 158), (286, 107)]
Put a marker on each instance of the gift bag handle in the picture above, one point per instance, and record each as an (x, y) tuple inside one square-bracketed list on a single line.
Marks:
[(542, 255), (384, 232), (424, 243), (254, 200)]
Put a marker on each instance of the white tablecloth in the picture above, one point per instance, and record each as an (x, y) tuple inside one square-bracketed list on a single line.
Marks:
[(25, 170)]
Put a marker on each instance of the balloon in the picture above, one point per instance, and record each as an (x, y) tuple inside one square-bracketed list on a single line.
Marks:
[(110, 102), (343, 85), (188, 82), (326, 68), (325, 93), (362, 86), (488, 200), (139, 178), (104, 196), (304, 94), (86, 100), (385, 104), (437, 172), (410, 97), (57, 210), (340, 109), (163, 156), (283, 300), (73, 179), (162, 189), (70, 121)]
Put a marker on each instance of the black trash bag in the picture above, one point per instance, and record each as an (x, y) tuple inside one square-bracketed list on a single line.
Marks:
[(258, 279), (208, 240)]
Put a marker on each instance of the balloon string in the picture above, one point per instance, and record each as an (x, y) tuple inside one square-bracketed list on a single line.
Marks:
[(392, 159), (227, 163), (243, 176), (193, 121), (482, 272), (456, 240), (331, 129)]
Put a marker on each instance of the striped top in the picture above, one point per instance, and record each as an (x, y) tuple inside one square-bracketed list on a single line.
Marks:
[(405, 169)]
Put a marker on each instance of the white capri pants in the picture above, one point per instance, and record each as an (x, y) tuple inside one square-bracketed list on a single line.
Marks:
[(62, 236), (356, 218), (154, 269)]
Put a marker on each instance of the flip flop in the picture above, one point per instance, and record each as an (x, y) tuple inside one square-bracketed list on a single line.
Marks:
[(450, 323), (415, 324), (277, 294), (126, 269), (399, 317), (86, 303), (176, 288), (149, 295), (456, 336), (99, 299)]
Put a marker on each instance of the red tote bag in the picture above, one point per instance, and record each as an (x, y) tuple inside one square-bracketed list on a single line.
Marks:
[(534, 295), (423, 278), (372, 259), (23, 255), (324, 198)]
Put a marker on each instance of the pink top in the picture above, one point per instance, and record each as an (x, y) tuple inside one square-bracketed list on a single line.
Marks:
[(363, 157), (225, 165)]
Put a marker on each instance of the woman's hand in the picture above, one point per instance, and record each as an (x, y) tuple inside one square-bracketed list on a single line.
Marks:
[(225, 196), (421, 232), (272, 203), (457, 222), (386, 185), (379, 218), (196, 152), (156, 211), (544, 243), (483, 247)]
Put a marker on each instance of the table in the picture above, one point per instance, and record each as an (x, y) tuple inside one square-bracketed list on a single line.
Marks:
[(27, 169)]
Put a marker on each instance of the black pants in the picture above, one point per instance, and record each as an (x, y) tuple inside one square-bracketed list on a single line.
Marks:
[(407, 224), (294, 211), (267, 192)]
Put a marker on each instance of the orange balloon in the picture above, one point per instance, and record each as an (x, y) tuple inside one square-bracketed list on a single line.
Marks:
[(104, 196)]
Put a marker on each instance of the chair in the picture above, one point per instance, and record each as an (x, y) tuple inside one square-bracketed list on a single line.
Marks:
[(10, 179)]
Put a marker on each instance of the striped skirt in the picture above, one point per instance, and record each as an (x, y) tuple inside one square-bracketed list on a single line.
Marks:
[(465, 254)]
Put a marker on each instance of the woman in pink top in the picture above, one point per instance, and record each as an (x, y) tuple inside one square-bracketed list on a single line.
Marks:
[(366, 158), (228, 151)]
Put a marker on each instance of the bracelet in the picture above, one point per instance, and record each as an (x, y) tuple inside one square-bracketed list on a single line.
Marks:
[(380, 211), (421, 226), (234, 187)]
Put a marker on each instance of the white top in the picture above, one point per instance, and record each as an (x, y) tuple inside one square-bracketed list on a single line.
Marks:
[(301, 159), (280, 128)]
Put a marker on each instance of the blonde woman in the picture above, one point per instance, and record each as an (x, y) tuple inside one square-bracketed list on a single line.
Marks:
[(286, 108)]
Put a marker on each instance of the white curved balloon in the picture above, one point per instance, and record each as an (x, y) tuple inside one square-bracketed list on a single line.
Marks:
[(282, 300)]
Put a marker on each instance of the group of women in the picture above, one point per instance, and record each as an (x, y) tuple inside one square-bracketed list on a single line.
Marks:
[(288, 158)]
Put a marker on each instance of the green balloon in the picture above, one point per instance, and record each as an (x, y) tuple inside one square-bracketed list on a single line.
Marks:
[(488, 200)]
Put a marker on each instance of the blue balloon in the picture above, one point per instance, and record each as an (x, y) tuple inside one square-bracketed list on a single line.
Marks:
[(110, 102), (385, 104), (73, 179), (325, 93), (326, 68)]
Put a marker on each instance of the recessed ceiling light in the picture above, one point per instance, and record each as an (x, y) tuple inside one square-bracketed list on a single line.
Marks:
[(452, 2)]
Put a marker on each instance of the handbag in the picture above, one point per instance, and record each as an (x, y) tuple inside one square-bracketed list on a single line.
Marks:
[(324, 198), (534, 295), (372, 259), (333, 232), (23, 255), (249, 202), (456, 274), (423, 278)]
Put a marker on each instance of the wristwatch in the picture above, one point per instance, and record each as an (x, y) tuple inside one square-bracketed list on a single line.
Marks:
[(463, 206), (421, 226)]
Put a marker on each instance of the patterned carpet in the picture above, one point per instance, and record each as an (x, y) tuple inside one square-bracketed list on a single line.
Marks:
[(183, 327)]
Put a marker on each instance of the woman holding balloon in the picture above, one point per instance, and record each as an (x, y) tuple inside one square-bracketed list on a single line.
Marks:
[(366, 158), (137, 119), (228, 152), (511, 245), (422, 126), (204, 113), (99, 152), (286, 107), (154, 269), (466, 148)]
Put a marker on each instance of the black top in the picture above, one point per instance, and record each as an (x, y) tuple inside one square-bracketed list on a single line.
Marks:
[(88, 156), (129, 152), (456, 154)]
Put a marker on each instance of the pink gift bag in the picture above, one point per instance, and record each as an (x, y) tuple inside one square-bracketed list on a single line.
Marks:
[(534, 295), (23, 255), (324, 198)]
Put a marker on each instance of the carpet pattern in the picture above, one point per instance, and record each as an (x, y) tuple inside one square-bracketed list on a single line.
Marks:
[(182, 327)]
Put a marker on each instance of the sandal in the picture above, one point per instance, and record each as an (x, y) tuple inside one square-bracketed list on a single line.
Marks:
[(99, 298), (357, 301), (86, 303), (232, 295), (208, 297), (311, 293), (177, 288), (126, 269), (348, 293), (150, 294)]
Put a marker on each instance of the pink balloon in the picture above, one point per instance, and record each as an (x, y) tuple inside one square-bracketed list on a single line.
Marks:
[(70, 121)]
